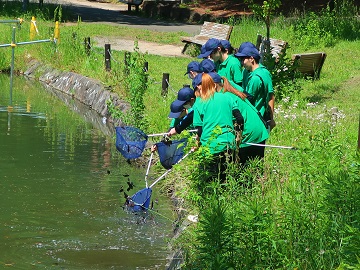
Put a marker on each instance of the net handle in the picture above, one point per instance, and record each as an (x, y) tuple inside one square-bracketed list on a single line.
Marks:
[(272, 146), (162, 134), (148, 169), (169, 170)]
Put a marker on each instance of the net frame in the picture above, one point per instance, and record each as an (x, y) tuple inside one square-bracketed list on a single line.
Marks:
[(130, 141)]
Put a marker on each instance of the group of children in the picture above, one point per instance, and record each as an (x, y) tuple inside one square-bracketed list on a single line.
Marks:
[(231, 103)]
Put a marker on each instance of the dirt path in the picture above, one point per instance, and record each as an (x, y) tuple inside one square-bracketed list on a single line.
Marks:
[(110, 13), (149, 47)]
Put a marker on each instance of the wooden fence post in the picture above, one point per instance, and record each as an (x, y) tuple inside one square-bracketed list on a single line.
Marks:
[(165, 84), (146, 66), (87, 45), (146, 69), (107, 57), (127, 59)]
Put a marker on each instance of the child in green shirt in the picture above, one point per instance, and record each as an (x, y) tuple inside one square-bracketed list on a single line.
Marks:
[(259, 85), (213, 118)]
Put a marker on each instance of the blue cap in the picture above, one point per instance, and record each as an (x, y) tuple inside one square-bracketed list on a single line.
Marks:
[(246, 44), (193, 66), (197, 80), (216, 77), (184, 95), (209, 47), (247, 52), (175, 110), (207, 65), (225, 43)]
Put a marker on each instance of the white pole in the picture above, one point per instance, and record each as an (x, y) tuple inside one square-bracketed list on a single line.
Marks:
[(272, 146), (148, 169)]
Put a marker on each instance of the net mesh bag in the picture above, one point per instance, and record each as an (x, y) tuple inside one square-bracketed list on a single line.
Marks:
[(141, 200), (170, 152), (130, 141)]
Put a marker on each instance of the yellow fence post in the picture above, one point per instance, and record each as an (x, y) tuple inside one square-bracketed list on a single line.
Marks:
[(57, 32), (33, 28)]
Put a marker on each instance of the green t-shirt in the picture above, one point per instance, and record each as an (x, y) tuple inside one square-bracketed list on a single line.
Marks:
[(215, 117), (236, 86), (260, 87), (254, 128), (245, 79), (231, 70)]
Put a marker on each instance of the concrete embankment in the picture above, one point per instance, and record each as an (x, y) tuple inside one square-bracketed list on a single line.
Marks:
[(88, 91)]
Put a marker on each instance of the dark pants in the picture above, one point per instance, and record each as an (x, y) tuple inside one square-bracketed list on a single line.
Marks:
[(251, 152), (216, 165)]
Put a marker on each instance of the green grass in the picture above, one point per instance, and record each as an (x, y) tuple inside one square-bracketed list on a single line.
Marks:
[(304, 212)]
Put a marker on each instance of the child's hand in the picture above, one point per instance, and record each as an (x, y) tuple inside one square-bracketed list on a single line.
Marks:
[(153, 148), (172, 132)]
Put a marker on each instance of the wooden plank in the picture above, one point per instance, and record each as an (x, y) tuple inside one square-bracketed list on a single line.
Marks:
[(277, 46), (310, 64), (200, 40), (207, 31), (215, 30)]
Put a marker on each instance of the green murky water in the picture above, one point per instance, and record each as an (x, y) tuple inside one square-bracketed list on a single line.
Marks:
[(59, 191)]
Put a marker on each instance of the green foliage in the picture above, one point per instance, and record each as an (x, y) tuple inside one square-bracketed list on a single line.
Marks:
[(216, 228), (294, 224), (265, 11), (135, 82), (306, 217), (14, 9), (58, 14), (325, 29), (343, 194), (192, 50), (284, 75)]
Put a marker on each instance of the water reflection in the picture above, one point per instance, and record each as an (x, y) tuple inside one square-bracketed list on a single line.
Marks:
[(60, 202)]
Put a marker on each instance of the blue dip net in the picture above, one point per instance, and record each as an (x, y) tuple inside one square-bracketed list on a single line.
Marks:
[(130, 141), (170, 152), (141, 200)]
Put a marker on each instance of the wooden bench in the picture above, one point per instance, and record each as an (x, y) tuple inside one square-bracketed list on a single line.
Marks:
[(277, 46), (208, 30), (309, 64)]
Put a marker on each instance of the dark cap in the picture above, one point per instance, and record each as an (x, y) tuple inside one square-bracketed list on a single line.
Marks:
[(225, 43), (216, 77), (247, 52), (244, 45), (175, 110), (197, 80), (209, 47), (207, 65), (193, 66), (184, 95)]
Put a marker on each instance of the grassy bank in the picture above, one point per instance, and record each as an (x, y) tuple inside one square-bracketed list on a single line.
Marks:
[(303, 212)]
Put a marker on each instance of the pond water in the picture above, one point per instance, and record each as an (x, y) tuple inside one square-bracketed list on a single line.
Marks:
[(60, 178)]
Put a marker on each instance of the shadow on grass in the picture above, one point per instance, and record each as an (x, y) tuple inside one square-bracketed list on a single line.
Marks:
[(324, 92), (46, 11)]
